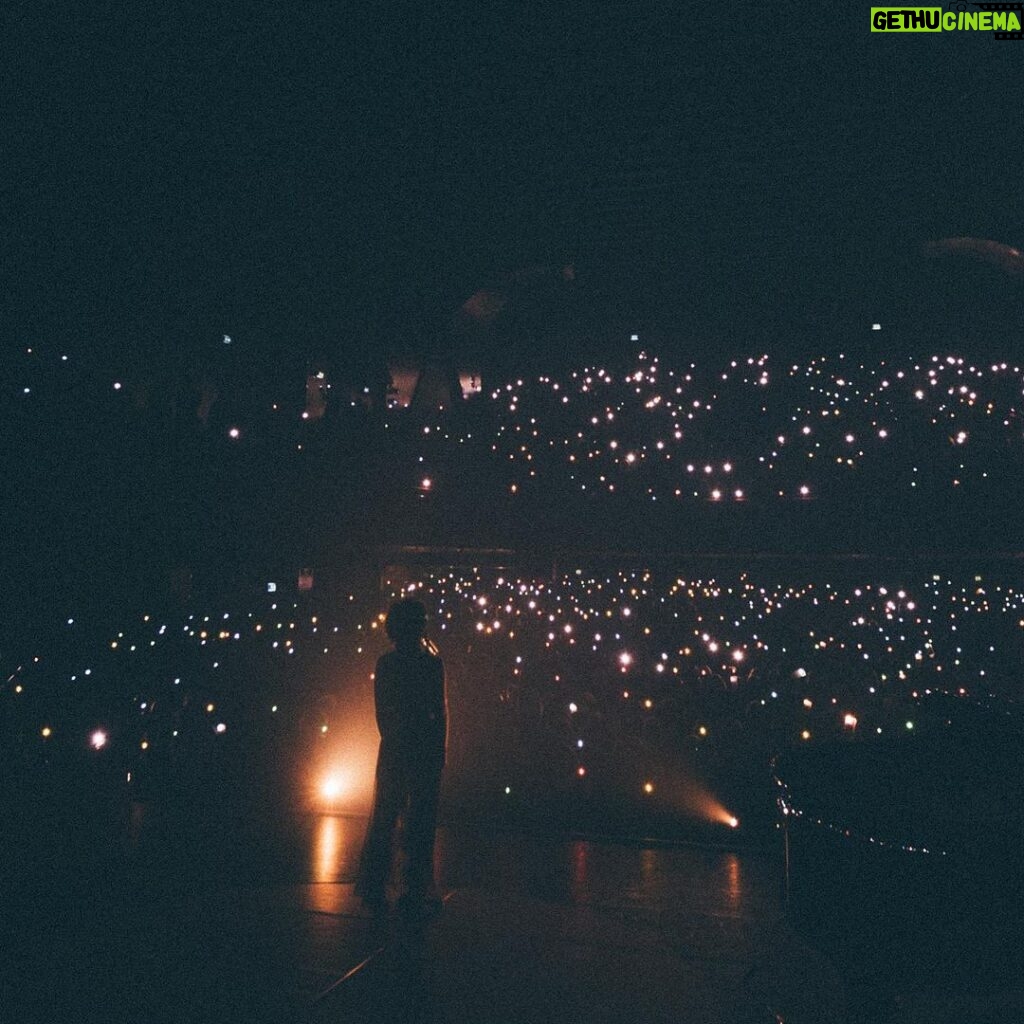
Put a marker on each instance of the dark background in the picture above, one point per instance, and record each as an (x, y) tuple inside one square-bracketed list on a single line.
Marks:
[(337, 178)]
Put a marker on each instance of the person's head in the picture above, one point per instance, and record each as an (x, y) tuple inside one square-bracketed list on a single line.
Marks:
[(406, 622)]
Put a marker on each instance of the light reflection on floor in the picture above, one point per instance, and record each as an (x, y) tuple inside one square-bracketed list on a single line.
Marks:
[(733, 879), (289, 878), (325, 848), (327, 843)]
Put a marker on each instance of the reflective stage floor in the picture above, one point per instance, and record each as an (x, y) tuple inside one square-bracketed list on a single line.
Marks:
[(231, 921)]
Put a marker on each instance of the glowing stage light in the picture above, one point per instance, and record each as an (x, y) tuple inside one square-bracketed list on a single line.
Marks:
[(333, 786), (712, 810)]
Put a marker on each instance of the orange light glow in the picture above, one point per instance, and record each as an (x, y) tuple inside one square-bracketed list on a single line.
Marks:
[(715, 812), (339, 775), (334, 786)]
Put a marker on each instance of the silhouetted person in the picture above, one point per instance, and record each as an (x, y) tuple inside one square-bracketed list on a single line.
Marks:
[(409, 696)]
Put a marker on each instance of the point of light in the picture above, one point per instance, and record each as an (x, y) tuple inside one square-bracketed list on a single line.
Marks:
[(334, 785), (98, 739)]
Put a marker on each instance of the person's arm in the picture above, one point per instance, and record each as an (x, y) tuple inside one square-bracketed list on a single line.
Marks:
[(385, 699), (442, 709)]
